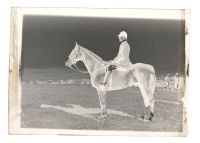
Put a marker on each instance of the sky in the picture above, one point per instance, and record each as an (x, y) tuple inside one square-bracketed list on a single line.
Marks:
[(48, 40)]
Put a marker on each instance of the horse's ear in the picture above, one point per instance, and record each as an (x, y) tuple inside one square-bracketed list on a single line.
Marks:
[(76, 43)]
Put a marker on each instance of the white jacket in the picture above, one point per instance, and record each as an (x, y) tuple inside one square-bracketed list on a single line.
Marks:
[(122, 57)]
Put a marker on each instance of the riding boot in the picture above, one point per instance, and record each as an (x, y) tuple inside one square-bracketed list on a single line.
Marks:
[(108, 73), (106, 78)]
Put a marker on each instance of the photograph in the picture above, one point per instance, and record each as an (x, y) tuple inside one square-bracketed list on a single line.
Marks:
[(87, 71)]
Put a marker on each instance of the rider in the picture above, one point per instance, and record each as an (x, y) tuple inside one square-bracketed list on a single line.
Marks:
[(122, 57)]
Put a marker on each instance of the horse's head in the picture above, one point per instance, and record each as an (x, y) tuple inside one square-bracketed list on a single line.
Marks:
[(74, 56)]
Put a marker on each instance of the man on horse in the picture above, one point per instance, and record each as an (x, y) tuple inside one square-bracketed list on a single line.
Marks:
[(122, 58), (124, 74)]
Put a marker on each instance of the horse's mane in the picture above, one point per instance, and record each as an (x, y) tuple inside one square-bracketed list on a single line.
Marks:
[(91, 53)]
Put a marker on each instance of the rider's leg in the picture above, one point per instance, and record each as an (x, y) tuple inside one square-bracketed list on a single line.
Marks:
[(107, 76), (108, 73)]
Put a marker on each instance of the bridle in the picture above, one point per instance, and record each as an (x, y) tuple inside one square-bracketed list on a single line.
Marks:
[(77, 69)]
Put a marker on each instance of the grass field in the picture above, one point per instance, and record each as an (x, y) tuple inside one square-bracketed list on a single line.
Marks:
[(168, 107)]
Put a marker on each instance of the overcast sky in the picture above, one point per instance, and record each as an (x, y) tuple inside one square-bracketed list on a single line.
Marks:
[(48, 40)]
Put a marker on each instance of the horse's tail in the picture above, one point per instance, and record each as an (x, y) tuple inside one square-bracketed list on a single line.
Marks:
[(153, 83)]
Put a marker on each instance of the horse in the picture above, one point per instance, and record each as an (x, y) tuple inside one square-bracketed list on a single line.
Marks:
[(138, 75)]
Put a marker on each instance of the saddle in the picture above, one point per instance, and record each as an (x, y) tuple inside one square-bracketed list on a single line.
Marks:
[(113, 66)]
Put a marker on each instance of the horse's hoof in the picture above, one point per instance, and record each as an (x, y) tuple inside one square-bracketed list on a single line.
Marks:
[(147, 120), (142, 118), (152, 115), (101, 119)]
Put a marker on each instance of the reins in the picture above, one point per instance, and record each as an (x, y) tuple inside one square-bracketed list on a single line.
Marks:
[(77, 69)]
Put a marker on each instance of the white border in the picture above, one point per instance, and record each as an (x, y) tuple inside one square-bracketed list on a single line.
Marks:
[(194, 117), (105, 13), (157, 4), (16, 40)]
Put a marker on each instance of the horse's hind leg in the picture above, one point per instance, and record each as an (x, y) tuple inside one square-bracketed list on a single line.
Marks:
[(147, 89), (151, 90), (102, 101), (146, 115)]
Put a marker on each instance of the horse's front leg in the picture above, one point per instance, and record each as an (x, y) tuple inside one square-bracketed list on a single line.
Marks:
[(102, 101)]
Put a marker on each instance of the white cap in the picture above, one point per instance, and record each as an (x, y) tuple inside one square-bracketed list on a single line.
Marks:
[(123, 34)]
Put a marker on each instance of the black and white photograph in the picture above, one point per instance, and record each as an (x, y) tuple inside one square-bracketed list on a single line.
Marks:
[(82, 71)]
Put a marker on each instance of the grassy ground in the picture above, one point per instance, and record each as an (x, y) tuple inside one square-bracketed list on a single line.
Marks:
[(168, 115)]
